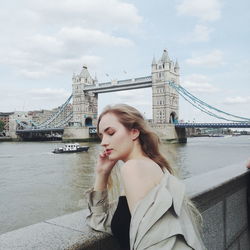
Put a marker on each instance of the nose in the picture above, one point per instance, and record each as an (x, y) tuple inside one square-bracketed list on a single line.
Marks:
[(104, 141)]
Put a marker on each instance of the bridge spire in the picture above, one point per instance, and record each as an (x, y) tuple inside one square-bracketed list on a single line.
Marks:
[(153, 62), (165, 57), (176, 67)]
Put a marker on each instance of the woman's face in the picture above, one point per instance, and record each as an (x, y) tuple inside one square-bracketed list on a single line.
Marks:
[(116, 139)]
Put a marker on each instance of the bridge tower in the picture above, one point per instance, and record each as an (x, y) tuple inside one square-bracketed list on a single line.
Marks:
[(84, 102), (165, 100)]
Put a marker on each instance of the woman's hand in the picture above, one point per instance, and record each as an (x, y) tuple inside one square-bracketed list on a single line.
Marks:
[(103, 169), (104, 164)]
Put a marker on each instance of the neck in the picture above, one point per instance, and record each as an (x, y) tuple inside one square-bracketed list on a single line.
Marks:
[(136, 152)]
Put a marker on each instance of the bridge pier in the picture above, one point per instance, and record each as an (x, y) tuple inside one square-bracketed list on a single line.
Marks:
[(168, 132), (73, 134), (181, 134)]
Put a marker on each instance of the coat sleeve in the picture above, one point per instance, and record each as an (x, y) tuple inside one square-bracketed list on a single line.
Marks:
[(100, 210)]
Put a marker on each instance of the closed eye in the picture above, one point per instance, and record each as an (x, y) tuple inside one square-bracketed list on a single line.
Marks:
[(111, 133)]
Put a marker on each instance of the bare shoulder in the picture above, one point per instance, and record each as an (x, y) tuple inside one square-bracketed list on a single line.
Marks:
[(139, 177)]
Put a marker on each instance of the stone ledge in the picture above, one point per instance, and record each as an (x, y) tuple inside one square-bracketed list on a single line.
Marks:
[(214, 179), (71, 232)]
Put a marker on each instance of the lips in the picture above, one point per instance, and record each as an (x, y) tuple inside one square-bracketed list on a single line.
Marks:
[(108, 151)]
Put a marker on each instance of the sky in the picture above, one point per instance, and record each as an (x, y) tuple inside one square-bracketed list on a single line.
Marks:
[(42, 43)]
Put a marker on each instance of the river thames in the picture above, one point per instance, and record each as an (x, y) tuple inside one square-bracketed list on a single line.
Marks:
[(36, 184)]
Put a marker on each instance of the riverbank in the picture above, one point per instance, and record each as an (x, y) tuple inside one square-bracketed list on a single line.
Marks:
[(5, 138)]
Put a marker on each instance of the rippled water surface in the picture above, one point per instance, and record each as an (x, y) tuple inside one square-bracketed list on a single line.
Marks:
[(36, 184)]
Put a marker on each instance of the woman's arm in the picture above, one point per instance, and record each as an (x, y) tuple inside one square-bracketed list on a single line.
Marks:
[(101, 211)]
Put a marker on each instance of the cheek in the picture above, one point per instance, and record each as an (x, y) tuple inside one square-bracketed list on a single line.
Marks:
[(123, 140)]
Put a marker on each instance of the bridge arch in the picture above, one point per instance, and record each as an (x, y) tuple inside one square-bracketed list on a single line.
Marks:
[(88, 122), (173, 118)]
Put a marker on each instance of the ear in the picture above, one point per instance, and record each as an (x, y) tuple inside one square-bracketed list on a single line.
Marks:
[(134, 133)]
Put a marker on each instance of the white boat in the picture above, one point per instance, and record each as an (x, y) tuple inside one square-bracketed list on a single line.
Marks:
[(70, 148)]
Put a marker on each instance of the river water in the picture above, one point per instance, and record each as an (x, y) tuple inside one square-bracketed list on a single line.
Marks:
[(36, 184)]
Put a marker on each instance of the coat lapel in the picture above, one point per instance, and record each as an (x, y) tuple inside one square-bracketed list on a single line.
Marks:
[(169, 192)]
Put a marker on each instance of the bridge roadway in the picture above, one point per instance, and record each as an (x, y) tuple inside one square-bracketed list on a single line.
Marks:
[(92, 130), (39, 130), (213, 125), (128, 84)]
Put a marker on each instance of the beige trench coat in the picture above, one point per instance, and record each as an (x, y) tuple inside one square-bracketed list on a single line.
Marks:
[(159, 221)]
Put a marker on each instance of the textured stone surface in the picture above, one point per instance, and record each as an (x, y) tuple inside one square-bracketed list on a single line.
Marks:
[(65, 232), (236, 215), (214, 227), (234, 246), (40, 236), (75, 221), (245, 240), (211, 180)]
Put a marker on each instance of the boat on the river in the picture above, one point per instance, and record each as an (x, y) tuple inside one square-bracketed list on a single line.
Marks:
[(70, 148)]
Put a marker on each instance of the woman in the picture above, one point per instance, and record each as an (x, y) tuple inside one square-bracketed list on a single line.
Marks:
[(153, 211)]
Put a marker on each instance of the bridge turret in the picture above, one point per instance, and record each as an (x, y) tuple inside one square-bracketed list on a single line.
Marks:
[(165, 57), (84, 102), (74, 78), (153, 65), (85, 77), (177, 67), (165, 99)]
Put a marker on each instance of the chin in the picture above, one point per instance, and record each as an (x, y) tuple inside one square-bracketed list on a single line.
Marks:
[(113, 157)]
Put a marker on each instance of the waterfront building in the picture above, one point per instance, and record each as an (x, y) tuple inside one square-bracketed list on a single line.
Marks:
[(21, 116), (5, 117)]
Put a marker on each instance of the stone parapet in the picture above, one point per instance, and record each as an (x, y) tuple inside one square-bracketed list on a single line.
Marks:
[(221, 195), (73, 134)]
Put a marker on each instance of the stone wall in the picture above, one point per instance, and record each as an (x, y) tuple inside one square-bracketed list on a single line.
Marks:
[(166, 132), (77, 134), (221, 196)]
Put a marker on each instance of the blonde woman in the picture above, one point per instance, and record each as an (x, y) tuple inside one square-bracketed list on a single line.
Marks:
[(152, 211)]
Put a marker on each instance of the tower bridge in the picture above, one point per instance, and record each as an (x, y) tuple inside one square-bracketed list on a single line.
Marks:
[(164, 80), (165, 99)]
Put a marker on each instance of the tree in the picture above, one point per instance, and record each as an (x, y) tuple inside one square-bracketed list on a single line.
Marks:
[(2, 124)]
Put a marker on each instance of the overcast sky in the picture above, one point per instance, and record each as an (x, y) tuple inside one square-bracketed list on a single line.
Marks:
[(42, 43)]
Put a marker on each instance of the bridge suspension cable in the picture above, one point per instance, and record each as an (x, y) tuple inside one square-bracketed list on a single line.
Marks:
[(50, 120), (54, 116), (204, 107)]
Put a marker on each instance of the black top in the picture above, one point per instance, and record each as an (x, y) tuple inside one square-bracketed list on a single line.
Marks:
[(120, 222)]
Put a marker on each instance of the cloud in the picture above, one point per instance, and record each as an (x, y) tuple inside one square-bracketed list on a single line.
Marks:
[(212, 59), (202, 9), (198, 83), (75, 29), (201, 33), (42, 55), (237, 100), (48, 93), (91, 38), (114, 14), (32, 99)]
